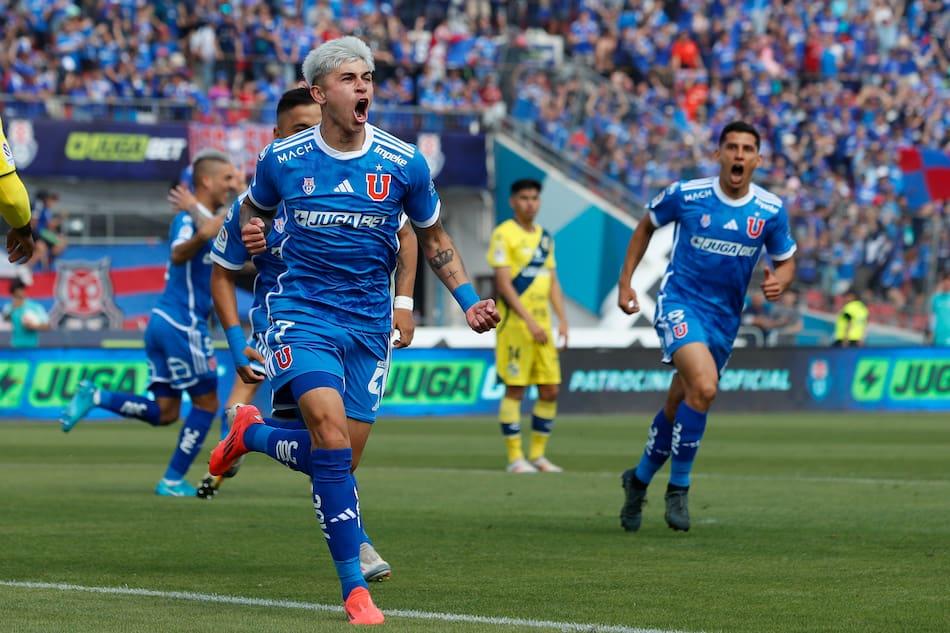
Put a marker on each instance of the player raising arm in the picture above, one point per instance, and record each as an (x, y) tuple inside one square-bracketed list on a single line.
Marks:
[(721, 225), (14, 206), (344, 185), (177, 340)]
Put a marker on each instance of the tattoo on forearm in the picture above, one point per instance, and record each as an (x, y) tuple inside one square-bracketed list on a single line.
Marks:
[(400, 273), (441, 258)]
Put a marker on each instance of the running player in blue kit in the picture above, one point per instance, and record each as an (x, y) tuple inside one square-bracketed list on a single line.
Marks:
[(344, 185), (177, 341), (721, 225), (296, 112)]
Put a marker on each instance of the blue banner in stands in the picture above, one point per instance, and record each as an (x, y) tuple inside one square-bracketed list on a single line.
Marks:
[(130, 151), (114, 151)]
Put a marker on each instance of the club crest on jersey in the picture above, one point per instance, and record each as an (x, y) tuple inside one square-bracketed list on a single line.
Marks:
[(279, 224), (377, 186), (754, 226), (705, 221), (680, 329), (308, 186)]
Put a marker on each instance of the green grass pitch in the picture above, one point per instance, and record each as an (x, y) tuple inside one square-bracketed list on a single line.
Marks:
[(801, 522)]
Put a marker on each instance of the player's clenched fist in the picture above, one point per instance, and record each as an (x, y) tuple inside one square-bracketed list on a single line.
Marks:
[(771, 286), (405, 324), (20, 245), (482, 316), (252, 234), (248, 375), (627, 299)]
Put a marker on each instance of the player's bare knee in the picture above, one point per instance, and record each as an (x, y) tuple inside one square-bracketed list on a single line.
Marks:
[(326, 431), (211, 404), (168, 414), (514, 392), (549, 392), (705, 391)]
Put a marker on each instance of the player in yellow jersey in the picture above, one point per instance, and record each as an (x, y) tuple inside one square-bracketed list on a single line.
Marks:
[(522, 254), (14, 206)]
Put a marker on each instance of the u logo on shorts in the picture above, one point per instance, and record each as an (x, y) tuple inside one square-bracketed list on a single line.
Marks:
[(283, 357)]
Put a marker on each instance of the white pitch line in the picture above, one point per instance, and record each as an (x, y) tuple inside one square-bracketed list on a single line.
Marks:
[(313, 606)]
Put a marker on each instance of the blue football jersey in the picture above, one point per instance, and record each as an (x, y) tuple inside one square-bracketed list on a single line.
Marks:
[(186, 300), (229, 252), (343, 211), (717, 241)]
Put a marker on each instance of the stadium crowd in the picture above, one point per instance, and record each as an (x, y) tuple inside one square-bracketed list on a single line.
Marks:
[(214, 56), (836, 87)]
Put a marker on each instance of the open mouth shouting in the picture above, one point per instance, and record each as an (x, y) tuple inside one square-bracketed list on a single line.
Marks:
[(736, 173), (360, 112)]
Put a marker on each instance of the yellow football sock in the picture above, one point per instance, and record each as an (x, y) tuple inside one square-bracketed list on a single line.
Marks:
[(543, 418), (539, 441), (509, 414), (513, 443)]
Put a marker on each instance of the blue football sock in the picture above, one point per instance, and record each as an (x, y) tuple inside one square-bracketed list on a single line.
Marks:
[(225, 427), (190, 441), (687, 432), (291, 424), (129, 405), (290, 447), (657, 450), (364, 537), (337, 509)]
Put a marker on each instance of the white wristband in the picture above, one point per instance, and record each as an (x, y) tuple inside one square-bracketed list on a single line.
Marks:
[(203, 210), (403, 303)]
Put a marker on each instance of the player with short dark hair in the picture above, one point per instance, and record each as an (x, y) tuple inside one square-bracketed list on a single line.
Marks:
[(296, 111), (177, 340), (522, 254), (345, 185), (720, 227)]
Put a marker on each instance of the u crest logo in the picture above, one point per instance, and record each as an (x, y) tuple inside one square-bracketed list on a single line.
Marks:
[(754, 226), (283, 357), (377, 186)]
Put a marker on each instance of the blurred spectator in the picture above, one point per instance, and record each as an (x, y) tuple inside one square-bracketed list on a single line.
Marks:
[(940, 313), (47, 227), (26, 317), (851, 324), (786, 319), (758, 316)]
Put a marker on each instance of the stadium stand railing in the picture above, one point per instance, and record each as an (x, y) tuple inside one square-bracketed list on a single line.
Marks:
[(148, 111)]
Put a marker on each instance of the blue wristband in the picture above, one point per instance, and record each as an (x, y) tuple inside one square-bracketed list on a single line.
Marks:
[(237, 343), (466, 296)]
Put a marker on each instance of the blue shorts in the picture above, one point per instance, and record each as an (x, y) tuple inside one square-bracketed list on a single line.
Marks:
[(179, 357), (677, 325), (358, 362), (282, 402)]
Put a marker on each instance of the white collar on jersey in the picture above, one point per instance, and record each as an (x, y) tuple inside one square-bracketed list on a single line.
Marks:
[(732, 202), (337, 154)]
